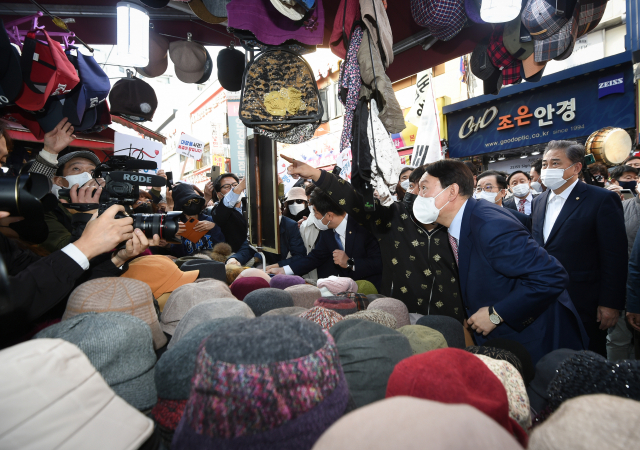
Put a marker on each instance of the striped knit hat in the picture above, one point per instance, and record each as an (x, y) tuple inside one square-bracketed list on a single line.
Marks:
[(341, 305), (361, 300), (324, 317), (375, 316), (273, 382)]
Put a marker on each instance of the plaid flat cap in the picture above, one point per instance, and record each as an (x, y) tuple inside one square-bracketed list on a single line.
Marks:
[(588, 14), (360, 300), (555, 46), (540, 18), (500, 56), (444, 18)]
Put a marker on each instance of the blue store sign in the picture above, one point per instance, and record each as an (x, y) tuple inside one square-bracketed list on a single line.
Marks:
[(563, 110)]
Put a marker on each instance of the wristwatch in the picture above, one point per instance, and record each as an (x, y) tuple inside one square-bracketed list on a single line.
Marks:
[(350, 264), (494, 317)]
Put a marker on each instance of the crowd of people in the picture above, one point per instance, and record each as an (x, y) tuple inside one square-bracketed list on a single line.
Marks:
[(507, 305)]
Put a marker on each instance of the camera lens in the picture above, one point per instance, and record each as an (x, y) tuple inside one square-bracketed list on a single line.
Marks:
[(164, 225)]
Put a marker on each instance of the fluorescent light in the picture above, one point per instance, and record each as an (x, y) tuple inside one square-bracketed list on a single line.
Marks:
[(133, 35), (499, 11), (524, 155), (535, 152), (501, 157), (492, 160)]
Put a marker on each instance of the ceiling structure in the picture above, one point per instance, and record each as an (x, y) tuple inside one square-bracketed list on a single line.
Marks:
[(95, 23)]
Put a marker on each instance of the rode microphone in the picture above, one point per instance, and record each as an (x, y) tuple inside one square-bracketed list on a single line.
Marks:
[(139, 179)]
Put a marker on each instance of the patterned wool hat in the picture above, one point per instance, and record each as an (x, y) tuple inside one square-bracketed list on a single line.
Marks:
[(324, 317), (554, 47), (218, 308), (341, 305), (285, 281), (546, 369), (304, 295), (516, 392), (376, 316), (253, 273), (338, 284), (451, 375), (368, 353), (394, 307), (444, 18), (366, 287), (423, 339), (119, 346), (117, 295), (450, 328), (290, 311), (392, 424), (502, 59), (588, 13), (272, 382), (361, 300), (590, 421), (244, 286), (587, 373), (186, 297), (264, 300), (540, 18), (523, 361), (53, 397), (174, 371)]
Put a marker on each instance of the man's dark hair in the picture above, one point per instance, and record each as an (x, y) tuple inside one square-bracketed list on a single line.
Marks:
[(500, 179), (599, 169), (417, 174), (574, 151), (618, 171), (309, 189), (517, 172), (624, 163), (472, 167), (323, 204), (217, 186), (537, 166), (448, 172), (405, 169)]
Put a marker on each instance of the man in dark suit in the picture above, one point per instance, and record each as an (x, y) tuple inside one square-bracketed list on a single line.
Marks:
[(511, 287), (583, 227), (491, 185), (344, 249), (519, 184)]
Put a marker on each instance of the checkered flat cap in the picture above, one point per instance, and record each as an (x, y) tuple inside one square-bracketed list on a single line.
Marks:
[(540, 18), (500, 56), (588, 14), (444, 18), (555, 46)]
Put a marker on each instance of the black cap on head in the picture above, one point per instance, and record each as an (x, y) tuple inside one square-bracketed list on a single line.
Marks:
[(230, 68)]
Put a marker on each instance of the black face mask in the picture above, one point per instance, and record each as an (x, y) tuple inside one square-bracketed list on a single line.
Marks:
[(143, 209), (304, 213), (192, 210), (628, 185), (408, 200)]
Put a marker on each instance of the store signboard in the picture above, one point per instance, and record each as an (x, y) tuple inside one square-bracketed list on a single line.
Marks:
[(237, 138), (564, 110)]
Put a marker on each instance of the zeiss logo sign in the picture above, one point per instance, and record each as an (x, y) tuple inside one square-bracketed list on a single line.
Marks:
[(612, 84)]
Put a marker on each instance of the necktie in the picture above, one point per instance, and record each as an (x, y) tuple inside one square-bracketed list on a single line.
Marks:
[(338, 240), (521, 205), (454, 246)]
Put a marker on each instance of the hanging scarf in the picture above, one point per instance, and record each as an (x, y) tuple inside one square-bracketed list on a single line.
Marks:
[(349, 84)]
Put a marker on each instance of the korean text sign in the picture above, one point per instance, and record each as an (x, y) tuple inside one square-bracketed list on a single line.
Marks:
[(190, 147), (564, 110)]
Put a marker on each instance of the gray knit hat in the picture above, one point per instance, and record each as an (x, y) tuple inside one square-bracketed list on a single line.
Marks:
[(394, 307), (186, 297), (304, 295), (264, 300), (119, 346), (368, 353), (208, 311), (450, 328), (290, 311)]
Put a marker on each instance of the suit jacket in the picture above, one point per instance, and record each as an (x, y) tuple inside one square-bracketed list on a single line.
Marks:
[(359, 245), (523, 218), (589, 240), (502, 266), (290, 241), (511, 202)]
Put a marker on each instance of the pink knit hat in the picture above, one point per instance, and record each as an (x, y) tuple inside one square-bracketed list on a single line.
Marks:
[(255, 273), (322, 316), (338, 284), (394, 307)]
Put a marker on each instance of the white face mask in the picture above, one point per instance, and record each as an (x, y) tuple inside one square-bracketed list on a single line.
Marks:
[(321, 226), (552, 178), (79, 179), (312, 217), (425, 209), (296, 209), (405, 185), (520, 190), (536, 186), (488, 196)]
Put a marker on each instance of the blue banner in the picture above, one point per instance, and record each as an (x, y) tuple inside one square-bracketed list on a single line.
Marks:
[(611, 84), (564, 110)]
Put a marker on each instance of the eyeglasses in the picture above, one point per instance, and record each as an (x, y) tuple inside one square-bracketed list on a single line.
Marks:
[(229, 186), (299, 202), (487, 188)]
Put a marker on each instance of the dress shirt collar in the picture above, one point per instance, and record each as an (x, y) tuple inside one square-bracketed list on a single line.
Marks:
[(566, 193), (456, 223), (341, 229), (529, 197)]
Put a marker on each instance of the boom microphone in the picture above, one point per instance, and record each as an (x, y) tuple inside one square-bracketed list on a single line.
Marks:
[(139, 164), (139, 179)]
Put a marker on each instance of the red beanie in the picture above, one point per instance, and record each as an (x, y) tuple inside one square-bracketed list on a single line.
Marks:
[(244, 286), (451, 375)]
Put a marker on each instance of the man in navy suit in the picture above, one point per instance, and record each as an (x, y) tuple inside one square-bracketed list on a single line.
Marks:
[(583, 227), (343, 249), (519, 183), (511, 287)]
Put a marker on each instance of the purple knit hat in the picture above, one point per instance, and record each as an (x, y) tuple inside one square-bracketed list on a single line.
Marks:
[(324, 317), (285, 281), (341, 305), (472, 7), (274, 382)]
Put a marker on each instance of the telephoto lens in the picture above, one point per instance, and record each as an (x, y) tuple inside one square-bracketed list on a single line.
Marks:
[(164, 225)]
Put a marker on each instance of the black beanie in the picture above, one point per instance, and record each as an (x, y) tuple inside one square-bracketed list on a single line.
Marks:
[(230, 68)]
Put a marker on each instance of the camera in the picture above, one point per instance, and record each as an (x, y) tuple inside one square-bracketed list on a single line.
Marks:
[(122, 187), (27, 195)]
